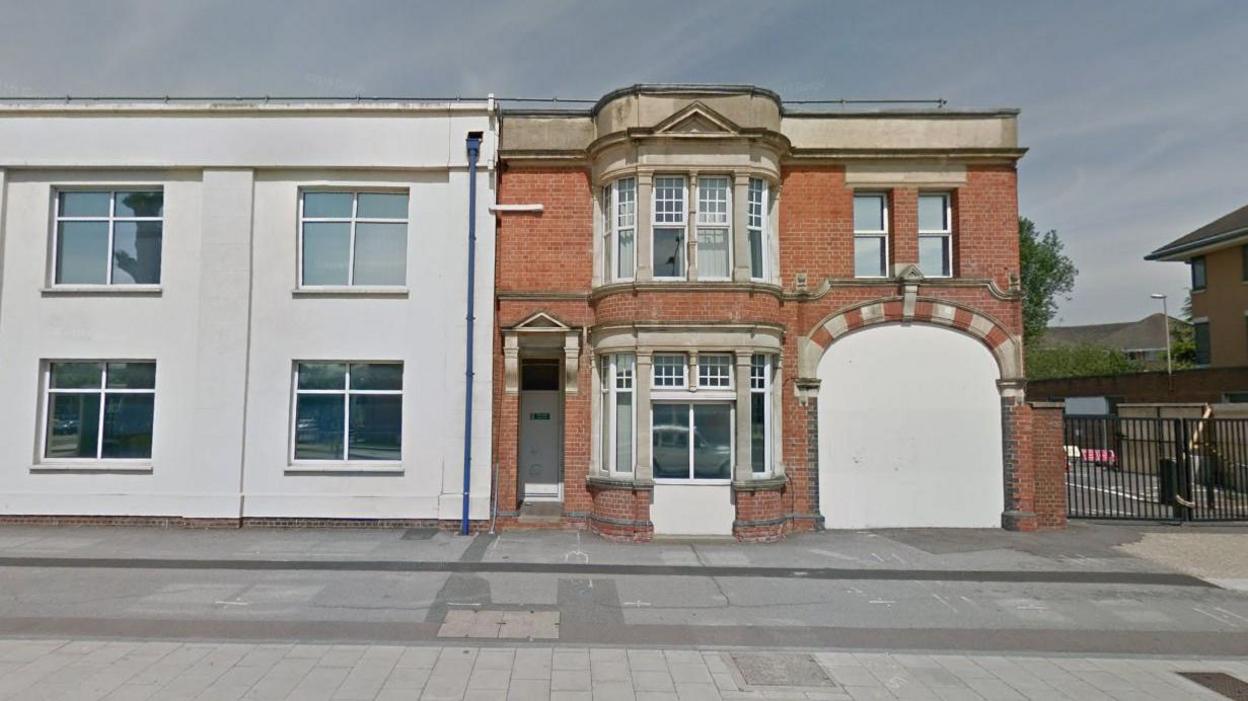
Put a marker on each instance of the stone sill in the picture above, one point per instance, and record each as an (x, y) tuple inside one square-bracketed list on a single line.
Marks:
[(340, 469), (765, 484), (346, 291), (93, 466), (614, 483), (102, 291)]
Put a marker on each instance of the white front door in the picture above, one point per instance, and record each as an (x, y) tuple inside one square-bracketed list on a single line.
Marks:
[(541, 444)]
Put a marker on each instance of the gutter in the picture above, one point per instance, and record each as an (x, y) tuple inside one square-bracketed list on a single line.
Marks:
[(473, 146), (1166, 253)]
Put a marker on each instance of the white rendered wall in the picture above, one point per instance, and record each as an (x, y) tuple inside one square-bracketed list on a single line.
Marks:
[(692, 509), (909, 430), (226, 326)]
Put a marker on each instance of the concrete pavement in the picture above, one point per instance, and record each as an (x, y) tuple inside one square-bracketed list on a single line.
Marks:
[(89, 670)]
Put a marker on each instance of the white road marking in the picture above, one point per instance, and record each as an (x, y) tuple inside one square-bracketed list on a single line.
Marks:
[(1215, 617), (948, 605)]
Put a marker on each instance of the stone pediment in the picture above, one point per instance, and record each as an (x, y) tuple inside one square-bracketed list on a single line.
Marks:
[(697, 120), (541, 321)]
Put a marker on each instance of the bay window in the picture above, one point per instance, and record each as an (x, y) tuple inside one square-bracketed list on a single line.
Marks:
[(870, 235), (935, 236), (669, 227), (620, 229), (618, 415), (714, 228), (715, 371), (760, 413), (756, 227), (669, 370), (692, 440)]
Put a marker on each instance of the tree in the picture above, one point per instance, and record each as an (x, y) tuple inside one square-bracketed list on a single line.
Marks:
[(1046, 275), (1183, 339), (1078, 361)]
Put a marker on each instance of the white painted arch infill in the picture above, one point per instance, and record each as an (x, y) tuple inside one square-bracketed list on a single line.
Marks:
[(909, 430)]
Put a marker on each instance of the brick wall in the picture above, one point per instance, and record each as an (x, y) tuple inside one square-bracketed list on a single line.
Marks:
[(1049, 458), (1035, 466), (548, 258), (1203, 385)]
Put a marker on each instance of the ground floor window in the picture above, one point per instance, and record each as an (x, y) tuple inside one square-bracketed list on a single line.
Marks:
[(692, 440), (618, 415), (760, 413), (348, 411), (100, 410)]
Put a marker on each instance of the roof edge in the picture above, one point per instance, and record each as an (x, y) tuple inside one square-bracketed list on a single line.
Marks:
[(1170, 252)]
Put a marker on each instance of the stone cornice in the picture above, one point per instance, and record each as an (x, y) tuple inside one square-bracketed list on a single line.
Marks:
[(967, 283), (692, 286)]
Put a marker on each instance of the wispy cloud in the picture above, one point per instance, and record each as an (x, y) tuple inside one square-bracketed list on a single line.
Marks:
[(1133, 109)]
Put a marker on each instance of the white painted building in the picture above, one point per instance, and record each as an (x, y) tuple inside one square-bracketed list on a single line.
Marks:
[(188, 289)]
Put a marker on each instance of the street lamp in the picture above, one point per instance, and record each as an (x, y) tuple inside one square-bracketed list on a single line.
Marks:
[(1165, 320)]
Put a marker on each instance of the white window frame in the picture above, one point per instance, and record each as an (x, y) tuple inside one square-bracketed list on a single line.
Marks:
[(112, 219), (616, 214), (611, 389), (690, 400), (353, 221), (762, 385), (758, 223), (682, 224), (104, 391), (346, 392), (712, 220), (724, 361), (945, 234), (666, 360), (882, 234)]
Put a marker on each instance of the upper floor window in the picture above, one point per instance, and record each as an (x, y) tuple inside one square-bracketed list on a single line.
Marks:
[(353, 238), (100, 410), (870, 235), (1243, 256), (1198, 273), (348, 412), (108, 237), (714, 228), (756, 227), (620, 230), (935, 235), (669, 226), (1200, 333)]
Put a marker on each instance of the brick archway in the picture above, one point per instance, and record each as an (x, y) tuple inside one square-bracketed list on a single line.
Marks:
[(1005, 347)]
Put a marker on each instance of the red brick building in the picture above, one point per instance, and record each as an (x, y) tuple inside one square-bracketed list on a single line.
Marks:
[(716, 315)]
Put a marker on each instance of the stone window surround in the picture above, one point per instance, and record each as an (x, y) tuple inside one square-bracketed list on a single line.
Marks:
[(643, 217), (741, 341)]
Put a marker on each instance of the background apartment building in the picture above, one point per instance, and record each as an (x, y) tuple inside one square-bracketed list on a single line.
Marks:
[(242, 309), (718, 315), (1217, 256)]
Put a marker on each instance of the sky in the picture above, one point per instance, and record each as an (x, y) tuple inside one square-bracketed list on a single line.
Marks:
[(1135, 112)]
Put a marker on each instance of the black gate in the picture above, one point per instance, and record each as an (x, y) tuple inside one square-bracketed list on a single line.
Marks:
[(1157, 469)]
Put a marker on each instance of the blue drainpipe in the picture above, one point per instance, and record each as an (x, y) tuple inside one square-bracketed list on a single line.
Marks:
[(473, 144)]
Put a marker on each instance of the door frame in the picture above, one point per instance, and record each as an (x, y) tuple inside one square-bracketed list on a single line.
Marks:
[(560, 410)]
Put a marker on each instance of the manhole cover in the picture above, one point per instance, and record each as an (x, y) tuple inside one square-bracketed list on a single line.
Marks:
[(1225, 684), (778, 669), (419, 533)]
